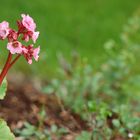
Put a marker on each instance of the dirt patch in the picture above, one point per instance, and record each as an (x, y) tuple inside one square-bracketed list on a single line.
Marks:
[(23, 103)]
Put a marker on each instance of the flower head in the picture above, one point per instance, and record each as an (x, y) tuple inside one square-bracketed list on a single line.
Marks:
[(12, 36), (26, 30), (4, 29), (36, 53), (29, 53), (27, 35), (35, 36), (15, 47), (28, 22), (27, 27)]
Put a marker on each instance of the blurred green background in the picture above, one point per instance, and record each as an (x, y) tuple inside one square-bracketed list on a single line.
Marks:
[(67, 25)]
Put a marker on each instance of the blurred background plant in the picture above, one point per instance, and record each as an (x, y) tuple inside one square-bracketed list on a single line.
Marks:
[(109, 93)]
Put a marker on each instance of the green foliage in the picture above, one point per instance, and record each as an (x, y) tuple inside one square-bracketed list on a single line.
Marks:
[(5, 133), (3, 89), (106, 94), (84, 136), (33, 132), (116, 123), (106, 97), (40, 132), (30, 130)]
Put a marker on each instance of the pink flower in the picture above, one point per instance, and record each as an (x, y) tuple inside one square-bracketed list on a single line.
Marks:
[(4, 29), (35, 36), (30, 53), (12, 36), (15, 47), (26, 32), (24, 50), (27, 27), (28, 22), (36, 53), (27, 35)]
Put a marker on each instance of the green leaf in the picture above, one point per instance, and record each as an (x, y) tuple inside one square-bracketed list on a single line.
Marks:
[(84, 136), (5, 133), (116, 123), (3, 89)]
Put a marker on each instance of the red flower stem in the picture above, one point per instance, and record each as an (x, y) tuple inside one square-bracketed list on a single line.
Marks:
[(11, 64), (5, 68)]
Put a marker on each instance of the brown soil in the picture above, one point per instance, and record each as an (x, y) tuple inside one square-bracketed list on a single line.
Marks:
[(23, 103)]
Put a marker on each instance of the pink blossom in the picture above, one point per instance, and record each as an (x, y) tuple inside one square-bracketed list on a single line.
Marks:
[(31, 53), (28, 22), (26, 31), (27, 35), (27, 27), (24, 50), (36, 53), (35, 36), (15, 47), (12, 36), (4, 29)]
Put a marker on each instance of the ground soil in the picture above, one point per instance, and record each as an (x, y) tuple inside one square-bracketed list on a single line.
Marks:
[(23, 102)]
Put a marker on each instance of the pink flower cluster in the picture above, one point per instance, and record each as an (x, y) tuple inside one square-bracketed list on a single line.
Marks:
[(26, 30)]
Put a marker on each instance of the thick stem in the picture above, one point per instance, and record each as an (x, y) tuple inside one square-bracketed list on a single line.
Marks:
[(5, 68)]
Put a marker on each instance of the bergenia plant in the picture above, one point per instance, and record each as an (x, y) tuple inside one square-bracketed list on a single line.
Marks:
[(26, 31)]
